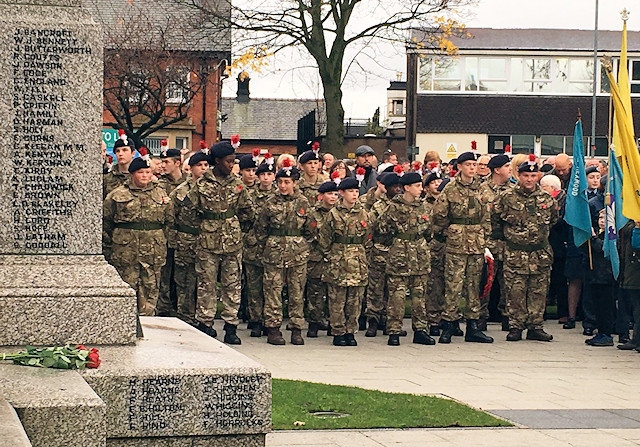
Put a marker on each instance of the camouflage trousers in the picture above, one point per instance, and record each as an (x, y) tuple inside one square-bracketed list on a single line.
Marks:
[(398, 286), (255, 297), (434, 296), (145, 280), (462, 273), (207, 266), (377, 292), (275, 278), (498, 281), (315, 293), (526, 298), (167, 297), (344, 308), (186, 291)]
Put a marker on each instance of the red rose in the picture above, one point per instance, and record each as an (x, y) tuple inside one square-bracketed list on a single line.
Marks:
[(82, 348), (94, 359)]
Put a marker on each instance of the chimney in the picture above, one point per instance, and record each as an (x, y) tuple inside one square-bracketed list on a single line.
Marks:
[(242, 95)]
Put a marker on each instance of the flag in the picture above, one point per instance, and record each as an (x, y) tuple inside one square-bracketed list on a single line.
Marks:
[(577, 206), (614, 220), (623, 135)]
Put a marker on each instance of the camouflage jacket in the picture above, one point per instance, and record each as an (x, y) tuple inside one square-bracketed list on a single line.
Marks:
[(281, 230), (112, 179), (369, 199), (461, 215), (524, 220), (341, 239), (317, 219), (410, 225), (252, 251), (378, 246), (134, 223), (184, 221), (223, 203), (310, 190), (169, 184), (495, 243)]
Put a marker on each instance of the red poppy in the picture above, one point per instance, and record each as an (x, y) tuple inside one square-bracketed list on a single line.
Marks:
[(302, 211), (239, 187), (425, 217), (543, 206), (314, 224), (364, 224)]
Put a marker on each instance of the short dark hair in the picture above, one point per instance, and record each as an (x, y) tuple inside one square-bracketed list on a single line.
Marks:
[(386, 156)]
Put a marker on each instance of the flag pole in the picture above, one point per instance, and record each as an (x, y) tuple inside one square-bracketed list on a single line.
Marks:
[(592, 146), (588, 240)]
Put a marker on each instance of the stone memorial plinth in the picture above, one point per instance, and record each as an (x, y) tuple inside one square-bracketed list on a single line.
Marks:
[(55, 286), (178, 383)]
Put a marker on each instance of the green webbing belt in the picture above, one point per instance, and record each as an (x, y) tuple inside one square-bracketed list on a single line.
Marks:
[(348, 239), (142, 226), (274, 232), (210, 215), (465, 221), (408, 236), (186, 229), (527, 247)]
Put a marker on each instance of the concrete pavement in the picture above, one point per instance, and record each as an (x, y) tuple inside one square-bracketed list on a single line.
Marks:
[(562, 393)]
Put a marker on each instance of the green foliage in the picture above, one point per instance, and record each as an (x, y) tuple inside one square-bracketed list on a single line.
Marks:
[(295, 401)]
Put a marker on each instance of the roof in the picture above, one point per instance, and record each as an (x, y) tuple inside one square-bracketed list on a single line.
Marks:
[(159, 22), (541, 39), (267, 119), (397, 85)]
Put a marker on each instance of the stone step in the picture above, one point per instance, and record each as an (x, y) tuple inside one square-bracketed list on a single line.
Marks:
[(56, 407), (13, 434), (178, 382)]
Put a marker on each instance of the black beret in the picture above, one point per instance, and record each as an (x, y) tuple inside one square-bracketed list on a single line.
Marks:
[(291, 173), (389, 179), (329, 186), (432, 177), (247, 162), (546, 168), (170, 153), (309, 156), (526, 167), (265, 167), (220, 150), (349, 183), (444, 183), (122, 143), (498, 161), (410, 178), (591, 170), (138, 163), (466, 156), (198, 157)]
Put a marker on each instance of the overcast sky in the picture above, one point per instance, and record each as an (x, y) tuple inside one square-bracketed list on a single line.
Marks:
[(363, 95)]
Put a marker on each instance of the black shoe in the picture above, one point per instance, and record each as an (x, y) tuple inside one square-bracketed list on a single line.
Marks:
[(339, 340), (312, 332), (588, 332), (230, 336), (447, 332), (210, 331), (394, 340), (624, 338), (475, 335), (514, 334), (372, 330), (422, 338), (628, 346), (456, 331), (434, 330), (570, 324), (256, 330), (538, 335), (350, 339)]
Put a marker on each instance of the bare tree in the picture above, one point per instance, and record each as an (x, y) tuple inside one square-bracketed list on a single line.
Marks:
[(327, 29)]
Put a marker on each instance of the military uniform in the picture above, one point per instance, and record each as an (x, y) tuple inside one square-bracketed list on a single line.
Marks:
[(461, 217), (524, 219), (434, 296), (316, 288), (167, 299), (223, 203), (341, 238), (280, 230), (309, 189), (133, 231), (112, 179)]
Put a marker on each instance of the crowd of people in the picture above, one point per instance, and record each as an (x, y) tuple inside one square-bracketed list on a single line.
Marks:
[(342, 245)]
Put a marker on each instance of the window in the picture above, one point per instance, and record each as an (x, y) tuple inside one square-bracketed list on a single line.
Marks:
[(178, 87), (425, 74), (486, 74), (153, 144), (634, 77), (397, 107), (552, 144), (537, 75), (446, 74), (522, 144), (182, 143)]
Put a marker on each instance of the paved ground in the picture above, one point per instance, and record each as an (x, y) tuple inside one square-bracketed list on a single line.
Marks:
[(562, 393)]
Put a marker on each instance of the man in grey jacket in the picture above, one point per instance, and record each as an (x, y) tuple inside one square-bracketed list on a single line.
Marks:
[(364, 159)]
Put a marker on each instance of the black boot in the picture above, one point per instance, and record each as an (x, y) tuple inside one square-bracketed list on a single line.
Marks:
[(230, 336), (312, 332), (505, 324), (210, 331), (447, 332), (422, 338), (256, 330), (394, 340), (339, 340), (456, 331), (434, 330), (474, 334), (372, 330), (350, 339), (362, 323), (482, 324)]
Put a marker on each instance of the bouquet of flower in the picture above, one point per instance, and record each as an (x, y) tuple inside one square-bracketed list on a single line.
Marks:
[(61, 357)]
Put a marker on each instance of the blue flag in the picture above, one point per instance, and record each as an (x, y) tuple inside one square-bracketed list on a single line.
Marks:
[(577, 206), (613, 211)]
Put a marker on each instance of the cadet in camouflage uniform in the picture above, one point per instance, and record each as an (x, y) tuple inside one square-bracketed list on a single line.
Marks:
[(435, 284), (524, 216), (119, 174), (248, 165), (252, 255), (461, 215), (498, 183), (312, 174), (133, 229), (408, 220), (171, 160), (316, 288), (223, 203), (377, 255), (185, 221), (341, 239), (281, 228)]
